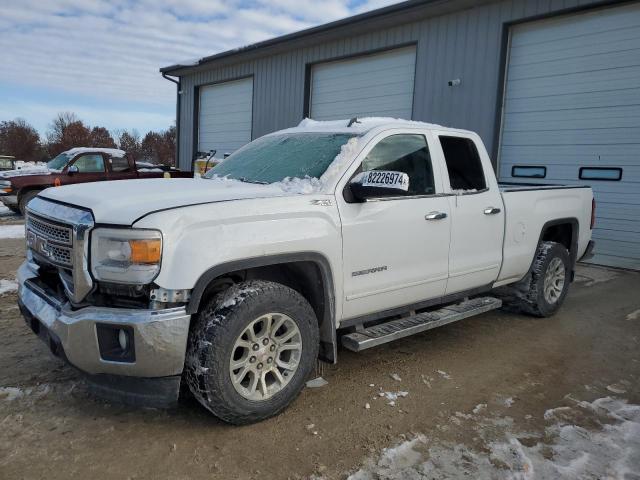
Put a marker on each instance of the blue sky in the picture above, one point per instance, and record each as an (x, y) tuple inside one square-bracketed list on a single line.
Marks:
[(100, 58)]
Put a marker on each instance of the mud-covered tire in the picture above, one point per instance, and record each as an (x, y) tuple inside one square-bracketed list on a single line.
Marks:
[(25, 198), (217, 328), (528, 295)]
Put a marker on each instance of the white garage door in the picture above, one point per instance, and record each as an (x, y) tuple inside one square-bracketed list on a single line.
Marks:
[(572, 115), (372, 85), (224, 116)]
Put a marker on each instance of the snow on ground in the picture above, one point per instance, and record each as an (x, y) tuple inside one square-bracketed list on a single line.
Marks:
[(11, 231), (9, 394), (593, 440), (8, 286), (634, 315)]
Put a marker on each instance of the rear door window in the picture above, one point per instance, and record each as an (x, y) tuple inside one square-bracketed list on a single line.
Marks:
[(119, 164), (466, 174)]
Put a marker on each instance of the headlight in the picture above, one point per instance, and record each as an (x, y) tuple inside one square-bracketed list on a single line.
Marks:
[(122, 255)]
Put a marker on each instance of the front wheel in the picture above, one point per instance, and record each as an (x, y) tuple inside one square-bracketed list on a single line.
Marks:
[(251, 350), (25, 198)]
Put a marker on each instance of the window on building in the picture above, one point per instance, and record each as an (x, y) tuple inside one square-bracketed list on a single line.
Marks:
[(463, 164), (601, 173), (90, 163), (119, 164), (404, 153), (528, 171)]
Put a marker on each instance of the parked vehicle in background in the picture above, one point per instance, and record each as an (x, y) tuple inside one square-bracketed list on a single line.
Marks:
[(78, 165), (365, 231)]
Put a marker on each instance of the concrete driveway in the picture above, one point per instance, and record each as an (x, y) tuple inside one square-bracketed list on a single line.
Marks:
[(497, 396)]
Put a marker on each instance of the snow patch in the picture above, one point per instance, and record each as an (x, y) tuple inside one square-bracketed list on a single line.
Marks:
[(634, 315), (114, 152), (11, 231), (443, 374), (10, 394), (8, 286), (566, 450), (478, 408)]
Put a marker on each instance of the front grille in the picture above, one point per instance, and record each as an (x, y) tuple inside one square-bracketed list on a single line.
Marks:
[(49, 241), (57, 240), (49, 231)]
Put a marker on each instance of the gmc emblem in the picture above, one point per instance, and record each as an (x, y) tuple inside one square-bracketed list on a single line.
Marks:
[(38, 244)]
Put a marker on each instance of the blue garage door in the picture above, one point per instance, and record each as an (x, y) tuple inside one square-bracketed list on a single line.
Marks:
[(571, 115)]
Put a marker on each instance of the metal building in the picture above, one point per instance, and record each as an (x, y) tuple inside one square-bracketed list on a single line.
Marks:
[(552, 87)]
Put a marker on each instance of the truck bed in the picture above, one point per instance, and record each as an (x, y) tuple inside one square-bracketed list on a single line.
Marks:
[(525, 187)]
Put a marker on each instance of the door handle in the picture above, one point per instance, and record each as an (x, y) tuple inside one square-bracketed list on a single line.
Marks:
[(435, 216), (491, 211)]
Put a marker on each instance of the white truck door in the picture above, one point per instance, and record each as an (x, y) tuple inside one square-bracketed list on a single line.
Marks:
[(395, 249), (477, 213)]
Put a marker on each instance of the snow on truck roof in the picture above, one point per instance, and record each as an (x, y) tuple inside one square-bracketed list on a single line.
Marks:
[(111, 151), (361, 125)]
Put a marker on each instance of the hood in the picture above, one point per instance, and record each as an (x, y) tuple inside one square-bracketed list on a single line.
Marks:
[(25, 171), (125, 201)]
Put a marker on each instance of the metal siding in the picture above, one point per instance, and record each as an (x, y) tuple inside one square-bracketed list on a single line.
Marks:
[(471, 105), (572, 100)]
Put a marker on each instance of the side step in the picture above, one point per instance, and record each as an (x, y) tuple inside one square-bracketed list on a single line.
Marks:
[(403, 327)]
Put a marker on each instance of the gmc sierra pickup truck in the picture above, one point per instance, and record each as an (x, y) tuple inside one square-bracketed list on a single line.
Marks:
[(78, 165), (234, 284)]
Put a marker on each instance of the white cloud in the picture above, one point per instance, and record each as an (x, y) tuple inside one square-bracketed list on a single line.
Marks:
[(112, 50)]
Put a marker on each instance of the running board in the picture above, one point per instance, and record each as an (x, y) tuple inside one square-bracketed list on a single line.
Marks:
[(403, 327)]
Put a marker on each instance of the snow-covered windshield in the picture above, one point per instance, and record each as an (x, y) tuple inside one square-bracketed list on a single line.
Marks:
[(273, 158), (59, 162)]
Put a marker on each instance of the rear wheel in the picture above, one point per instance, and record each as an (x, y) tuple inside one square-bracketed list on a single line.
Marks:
[(543, 290), (25, 198), (251, 350)]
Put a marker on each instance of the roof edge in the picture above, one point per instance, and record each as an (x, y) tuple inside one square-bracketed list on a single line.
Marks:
[(379, 12)]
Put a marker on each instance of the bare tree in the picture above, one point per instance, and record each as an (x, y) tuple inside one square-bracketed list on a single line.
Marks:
[(21, 140), (67, 131), (100, 137)]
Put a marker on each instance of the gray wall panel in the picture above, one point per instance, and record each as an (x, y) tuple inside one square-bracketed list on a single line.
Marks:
[(464, 44)]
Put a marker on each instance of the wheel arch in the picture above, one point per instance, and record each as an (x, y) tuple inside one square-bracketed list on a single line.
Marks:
[(303, 271), (564, 231)]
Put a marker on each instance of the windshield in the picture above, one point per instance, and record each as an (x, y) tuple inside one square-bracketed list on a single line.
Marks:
[(275, 157), (59, 162)]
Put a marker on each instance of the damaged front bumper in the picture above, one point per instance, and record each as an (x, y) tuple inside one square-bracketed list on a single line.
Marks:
[(146, 372)]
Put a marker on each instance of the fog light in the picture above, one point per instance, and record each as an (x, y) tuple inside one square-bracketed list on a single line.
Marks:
[(116, 343), (123, 339)]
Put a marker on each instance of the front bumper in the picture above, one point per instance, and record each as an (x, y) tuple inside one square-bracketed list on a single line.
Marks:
[(9, 200), (159, 340)]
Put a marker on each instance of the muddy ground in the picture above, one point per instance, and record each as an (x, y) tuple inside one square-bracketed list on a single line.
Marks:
[(508, 366)]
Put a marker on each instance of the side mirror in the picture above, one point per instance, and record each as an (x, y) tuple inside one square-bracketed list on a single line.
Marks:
[(72, 170), (379, 183)]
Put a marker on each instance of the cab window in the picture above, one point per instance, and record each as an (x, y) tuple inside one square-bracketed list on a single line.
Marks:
[(119, 164), (90, 163), (407, 153), (463, 164)]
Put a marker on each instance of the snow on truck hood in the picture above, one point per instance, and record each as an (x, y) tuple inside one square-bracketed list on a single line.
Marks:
[(125, 201)]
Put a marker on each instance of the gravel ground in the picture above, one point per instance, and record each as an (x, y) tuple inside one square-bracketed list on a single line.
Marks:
[(493, 396)]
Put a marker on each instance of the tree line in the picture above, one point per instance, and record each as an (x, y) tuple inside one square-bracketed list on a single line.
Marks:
[(19, 139)]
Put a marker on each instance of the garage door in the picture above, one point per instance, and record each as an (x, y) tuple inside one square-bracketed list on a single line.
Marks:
[(224, 116), (372, 85), (572, 115)]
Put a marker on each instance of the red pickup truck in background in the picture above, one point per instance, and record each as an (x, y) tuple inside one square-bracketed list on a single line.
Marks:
[(78, 165)]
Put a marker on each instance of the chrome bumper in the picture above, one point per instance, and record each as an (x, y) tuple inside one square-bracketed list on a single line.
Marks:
[(160, 336), (9, 200)]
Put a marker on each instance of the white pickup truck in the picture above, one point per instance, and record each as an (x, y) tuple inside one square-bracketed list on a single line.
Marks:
[(354, 232)]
